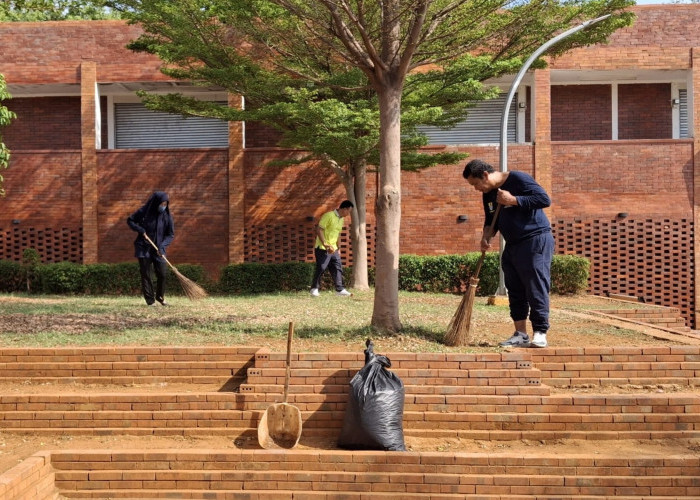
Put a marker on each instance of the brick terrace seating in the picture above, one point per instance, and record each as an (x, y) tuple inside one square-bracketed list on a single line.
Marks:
[(614, 366), (271, 475), (126, 365), (660, 316), (490, 396), (497, 396)]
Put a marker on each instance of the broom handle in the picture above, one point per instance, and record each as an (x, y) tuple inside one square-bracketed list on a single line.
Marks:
[(159, 254), (289, 361), (483, 252)]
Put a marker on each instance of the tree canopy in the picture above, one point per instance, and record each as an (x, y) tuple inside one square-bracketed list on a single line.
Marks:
[(321, 70), (6, 116), (54, 10)]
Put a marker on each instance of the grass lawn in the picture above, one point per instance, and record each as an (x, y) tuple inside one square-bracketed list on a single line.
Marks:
[(324, 323)]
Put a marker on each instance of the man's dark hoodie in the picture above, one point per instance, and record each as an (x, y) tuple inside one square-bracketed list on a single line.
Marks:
[(159, 226)]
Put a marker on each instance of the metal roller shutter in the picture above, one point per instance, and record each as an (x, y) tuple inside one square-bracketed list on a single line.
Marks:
[(683, 112), (138, 127), (482, 126)]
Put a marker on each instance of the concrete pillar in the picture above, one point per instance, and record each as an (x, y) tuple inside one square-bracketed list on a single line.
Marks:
[(88, 90), (236, 186)]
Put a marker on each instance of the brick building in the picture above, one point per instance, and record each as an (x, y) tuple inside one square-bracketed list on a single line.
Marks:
[(611, 132)]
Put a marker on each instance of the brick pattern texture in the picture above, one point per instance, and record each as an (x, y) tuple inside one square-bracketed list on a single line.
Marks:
[(484, 396)]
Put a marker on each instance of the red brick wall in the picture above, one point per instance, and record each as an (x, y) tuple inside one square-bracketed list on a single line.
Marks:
[(43, 188), (581, 112), (661, 25), (644, 111), (44, 123), (51, 52), (433, 199), (260, 136), (47, 123), (43, 193), (603, 178)]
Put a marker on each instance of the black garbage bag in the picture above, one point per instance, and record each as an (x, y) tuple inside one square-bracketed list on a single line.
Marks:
[(374, 415)]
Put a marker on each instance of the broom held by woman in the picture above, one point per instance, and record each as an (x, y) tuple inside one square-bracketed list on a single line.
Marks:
[(527, 258), (153, 219)]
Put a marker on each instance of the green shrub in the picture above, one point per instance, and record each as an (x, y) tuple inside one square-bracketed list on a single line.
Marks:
[(450, 273), (257, 277), (12, 277), (447, 273), (112, 279), (570, 274), (61, 277)]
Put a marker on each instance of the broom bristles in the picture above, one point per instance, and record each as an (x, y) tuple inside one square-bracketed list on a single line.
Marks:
[(458, 329), (192, 290)]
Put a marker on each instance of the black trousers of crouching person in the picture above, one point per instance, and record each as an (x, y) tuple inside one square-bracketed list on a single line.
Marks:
[(330, 261), (145, 266)]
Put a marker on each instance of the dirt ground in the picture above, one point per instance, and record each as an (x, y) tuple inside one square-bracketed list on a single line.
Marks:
[(567, 330)]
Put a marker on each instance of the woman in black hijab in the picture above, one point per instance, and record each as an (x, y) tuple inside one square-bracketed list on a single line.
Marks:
[(153, 219)]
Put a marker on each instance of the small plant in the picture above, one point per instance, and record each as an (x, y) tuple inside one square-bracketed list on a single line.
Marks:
[(30, 261)]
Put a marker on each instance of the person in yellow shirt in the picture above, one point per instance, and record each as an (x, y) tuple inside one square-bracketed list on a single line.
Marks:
[(326, 249)]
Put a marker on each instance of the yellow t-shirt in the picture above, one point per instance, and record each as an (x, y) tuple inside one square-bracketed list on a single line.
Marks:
[(332, 225)]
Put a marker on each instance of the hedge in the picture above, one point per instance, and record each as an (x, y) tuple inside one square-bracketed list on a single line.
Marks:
[(90, 279), (435, 274)]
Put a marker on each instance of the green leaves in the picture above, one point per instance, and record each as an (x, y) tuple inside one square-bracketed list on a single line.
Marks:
[(6, 116), (53, 10)]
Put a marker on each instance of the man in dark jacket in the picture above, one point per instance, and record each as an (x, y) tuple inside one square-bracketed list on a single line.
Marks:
[(153, 219), (527, 257)]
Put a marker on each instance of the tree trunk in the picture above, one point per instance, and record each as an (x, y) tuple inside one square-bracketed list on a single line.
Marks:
[(358, 229), (388, 211)]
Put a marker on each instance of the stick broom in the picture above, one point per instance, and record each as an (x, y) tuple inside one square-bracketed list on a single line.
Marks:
[(458, 329), (192, 290)]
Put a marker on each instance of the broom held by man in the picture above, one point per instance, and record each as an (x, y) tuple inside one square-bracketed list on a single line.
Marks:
[(527, 256)]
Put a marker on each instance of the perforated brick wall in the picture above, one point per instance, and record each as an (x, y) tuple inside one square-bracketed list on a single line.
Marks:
[(649, 258), (54, 245), (295, 243)]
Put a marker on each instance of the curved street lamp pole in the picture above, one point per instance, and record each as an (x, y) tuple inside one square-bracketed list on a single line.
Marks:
[(504, 118)]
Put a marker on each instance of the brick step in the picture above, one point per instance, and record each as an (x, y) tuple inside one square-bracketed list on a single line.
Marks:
[(319, 495), (219, 369), (645, 312), (590, 382), (644, 415), (241, 354), (545, 435), (643, 365), (666, 318), (473, 386), (227, 382), (111, 365), (345, 365), (336, 474)]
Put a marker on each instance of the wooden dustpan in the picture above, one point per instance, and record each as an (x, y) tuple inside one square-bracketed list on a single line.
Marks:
[(280, 426)]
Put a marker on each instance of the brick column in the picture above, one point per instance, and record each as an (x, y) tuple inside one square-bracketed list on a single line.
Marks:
[(88, 80), (695, 132), (236, 186), (542, 133)]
